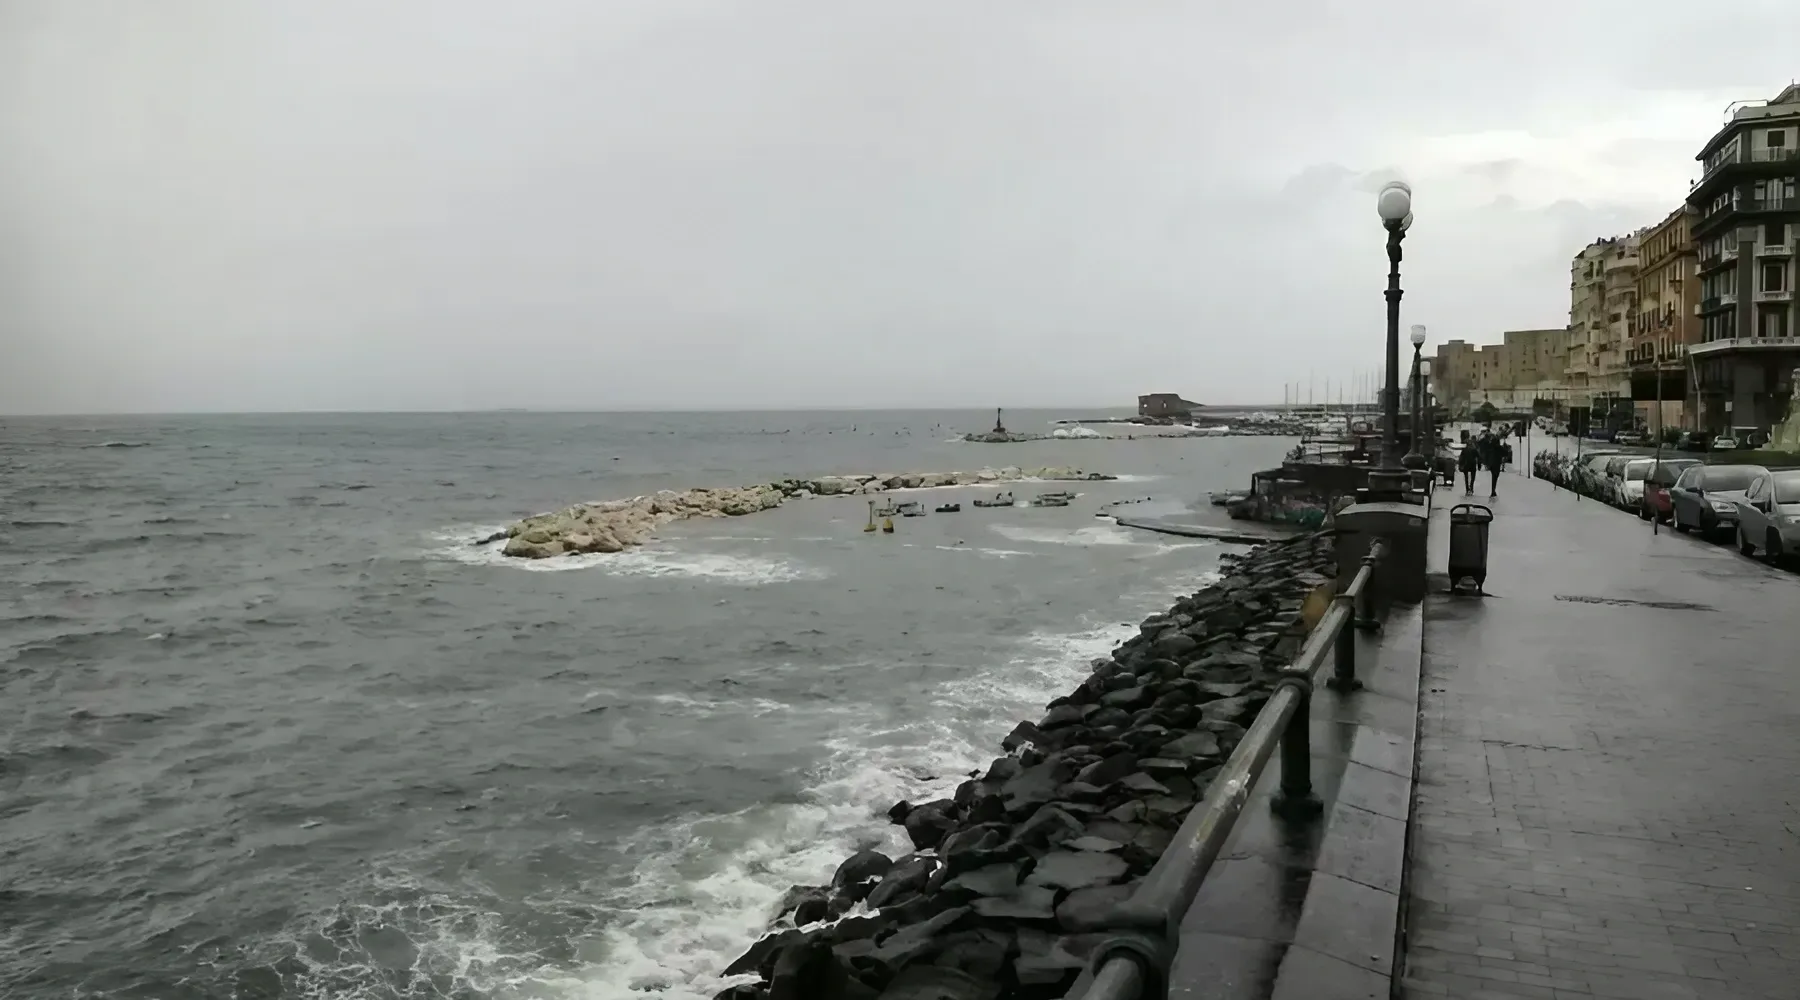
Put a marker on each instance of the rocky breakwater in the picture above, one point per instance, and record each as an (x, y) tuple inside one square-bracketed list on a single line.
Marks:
[(1011, 880), (615, 525)]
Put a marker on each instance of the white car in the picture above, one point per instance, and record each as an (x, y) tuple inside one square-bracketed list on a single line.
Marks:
[(1724, 444), (1631, 488)]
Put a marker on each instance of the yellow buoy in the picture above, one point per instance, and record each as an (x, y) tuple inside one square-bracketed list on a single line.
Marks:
[(887, 525), (871, 525)]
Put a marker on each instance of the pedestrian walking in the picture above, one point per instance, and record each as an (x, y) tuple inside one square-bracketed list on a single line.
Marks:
[(1469, 461), (1493, 456)]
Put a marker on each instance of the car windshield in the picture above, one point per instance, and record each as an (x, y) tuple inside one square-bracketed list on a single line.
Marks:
[(1787, 486), (1637, 471), (1724, 478), (1668, 472)]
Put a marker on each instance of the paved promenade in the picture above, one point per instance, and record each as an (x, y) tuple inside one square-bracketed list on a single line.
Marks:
[(1608, 800)]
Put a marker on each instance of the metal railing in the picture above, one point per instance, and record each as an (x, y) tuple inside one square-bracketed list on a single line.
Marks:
[(1134, 963)]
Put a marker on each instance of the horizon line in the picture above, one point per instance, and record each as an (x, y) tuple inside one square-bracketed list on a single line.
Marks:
[(615, 410)]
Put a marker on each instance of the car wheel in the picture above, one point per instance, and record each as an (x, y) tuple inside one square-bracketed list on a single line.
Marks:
[(1745, 545)]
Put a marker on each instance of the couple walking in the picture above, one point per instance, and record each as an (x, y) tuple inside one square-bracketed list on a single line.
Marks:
[(1485, 452)]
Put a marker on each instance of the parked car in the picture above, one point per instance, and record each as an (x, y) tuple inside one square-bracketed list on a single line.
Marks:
[(1768, 516), (1629, 437), (1705, 497), (1631, 483), (1612, 481), (1724, 443), (1656, 488), (1695, 441), (1587, 476)]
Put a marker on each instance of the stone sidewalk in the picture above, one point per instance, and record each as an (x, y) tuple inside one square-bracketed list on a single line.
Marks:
[(1608, 798)]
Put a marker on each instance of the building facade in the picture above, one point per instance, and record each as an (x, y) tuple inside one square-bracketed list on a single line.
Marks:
[(1745, 227), (1665, 323), (1455, 373)]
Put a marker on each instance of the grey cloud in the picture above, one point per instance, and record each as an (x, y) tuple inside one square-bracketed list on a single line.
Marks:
[(207, 204)]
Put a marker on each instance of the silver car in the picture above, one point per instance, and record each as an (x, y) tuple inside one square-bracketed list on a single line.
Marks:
[(1768, 515)]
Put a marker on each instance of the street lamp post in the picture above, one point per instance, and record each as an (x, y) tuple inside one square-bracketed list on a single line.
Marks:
[(1415, 457), (1394, 203)]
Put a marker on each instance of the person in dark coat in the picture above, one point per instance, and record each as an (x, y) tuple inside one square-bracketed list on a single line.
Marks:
[(1468, 461), (1493, 458)]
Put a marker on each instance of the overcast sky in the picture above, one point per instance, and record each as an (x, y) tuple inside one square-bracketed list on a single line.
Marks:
[(593, 204)]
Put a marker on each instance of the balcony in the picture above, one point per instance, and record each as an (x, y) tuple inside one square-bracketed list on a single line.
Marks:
[(1728, 254), (1774, 249), (1736, 156), (1727, 298), (1782, 295), (1744, 344)]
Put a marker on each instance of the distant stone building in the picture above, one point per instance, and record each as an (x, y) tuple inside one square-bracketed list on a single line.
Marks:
[(1165, 404)]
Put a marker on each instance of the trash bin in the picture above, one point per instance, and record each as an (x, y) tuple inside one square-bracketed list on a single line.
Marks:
[(1469, 544)]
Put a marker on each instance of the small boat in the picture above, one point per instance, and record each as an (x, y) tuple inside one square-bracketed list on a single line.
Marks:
[(887, 509), (1050, 501), (1062, 495), (950, 508), (1000, 500), (911, 509)]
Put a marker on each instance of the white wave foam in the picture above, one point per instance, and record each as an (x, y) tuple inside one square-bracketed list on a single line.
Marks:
[(1092, 535), (653, 560), (709, 886), (991, 553)]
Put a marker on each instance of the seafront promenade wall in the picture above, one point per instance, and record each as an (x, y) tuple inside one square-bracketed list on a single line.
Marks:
[(1003, 895)]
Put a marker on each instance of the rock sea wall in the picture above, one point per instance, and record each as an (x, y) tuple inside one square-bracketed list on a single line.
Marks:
[(615, 525), (1010, 879)]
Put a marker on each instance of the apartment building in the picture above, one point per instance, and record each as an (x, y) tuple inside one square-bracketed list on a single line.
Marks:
[(1602, 299), (1666, 321), (1745, 227)]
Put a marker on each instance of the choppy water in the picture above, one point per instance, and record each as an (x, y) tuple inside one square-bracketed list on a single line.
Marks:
[(269, 726)]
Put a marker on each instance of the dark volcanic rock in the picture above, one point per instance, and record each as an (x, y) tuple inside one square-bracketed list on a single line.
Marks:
[(1064, 715), (1050, 825), (1191, 745), (1000, 879), (1022, 734), (1036, 785), (860, 868), (980, 953), (808, 903), (1031, 902), (1089, 909), (928, 825), (1105, 772), (1131, 697), (1093, 844), (1076, 869), (938, 982), (902, 880)]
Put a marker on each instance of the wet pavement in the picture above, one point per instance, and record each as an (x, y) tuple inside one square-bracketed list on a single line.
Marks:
[(1308, 909), (1608, 797)]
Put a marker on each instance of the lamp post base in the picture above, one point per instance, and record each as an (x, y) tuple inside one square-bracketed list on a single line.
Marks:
[(1389, 484)]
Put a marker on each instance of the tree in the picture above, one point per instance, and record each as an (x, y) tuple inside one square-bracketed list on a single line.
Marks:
[(1486, 413)]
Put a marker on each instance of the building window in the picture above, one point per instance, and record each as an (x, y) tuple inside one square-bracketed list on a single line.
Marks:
[(1776, 138), (1774, 277), (1774, 323)]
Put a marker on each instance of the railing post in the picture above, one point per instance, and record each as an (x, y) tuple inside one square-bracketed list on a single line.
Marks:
[(1295, 799), (1343, 671), (1365, 598)]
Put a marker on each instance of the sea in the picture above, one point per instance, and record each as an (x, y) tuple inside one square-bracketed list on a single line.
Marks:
[(271, 725)]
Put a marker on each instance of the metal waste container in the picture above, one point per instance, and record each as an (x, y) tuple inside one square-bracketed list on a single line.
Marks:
[(1469, 524)]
